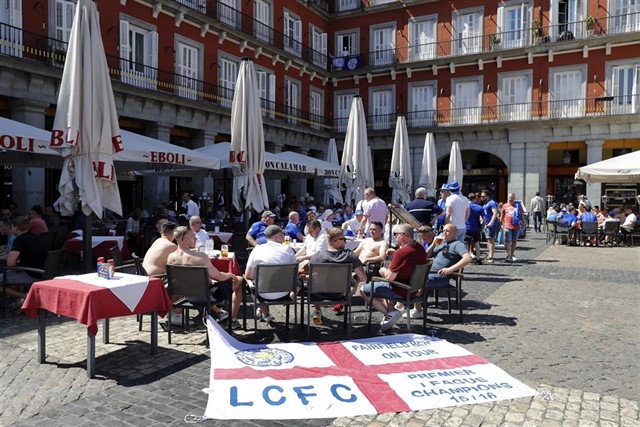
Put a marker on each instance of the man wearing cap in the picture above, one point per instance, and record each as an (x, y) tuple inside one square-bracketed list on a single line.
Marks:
[(292, 229), (423, 210), (272, 252), (353, 224), (37, 225), (456, 209), (255, 235), (327, 219), (374, 209)]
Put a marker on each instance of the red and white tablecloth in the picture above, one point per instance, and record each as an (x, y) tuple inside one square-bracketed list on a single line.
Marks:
[(88, 298), (101, 246), (228, 264)]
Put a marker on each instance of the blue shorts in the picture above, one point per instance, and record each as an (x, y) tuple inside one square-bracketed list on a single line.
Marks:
[(491, 232), (511, 235), (381, 290)]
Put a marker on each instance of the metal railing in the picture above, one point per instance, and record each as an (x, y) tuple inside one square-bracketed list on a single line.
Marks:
[(33, 47)]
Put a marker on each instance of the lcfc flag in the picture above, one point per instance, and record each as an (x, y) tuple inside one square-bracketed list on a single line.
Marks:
[(393, 373)]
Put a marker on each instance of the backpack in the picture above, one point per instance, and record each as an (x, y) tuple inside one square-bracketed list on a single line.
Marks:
[(516, 215)]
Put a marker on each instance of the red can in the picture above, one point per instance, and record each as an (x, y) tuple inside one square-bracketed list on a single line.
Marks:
[(100, 259)]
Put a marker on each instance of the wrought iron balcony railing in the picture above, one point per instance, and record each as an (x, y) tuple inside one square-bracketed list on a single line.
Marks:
[(28, 46)]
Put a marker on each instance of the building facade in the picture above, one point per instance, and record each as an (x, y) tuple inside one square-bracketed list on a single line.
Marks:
[(532, 89)]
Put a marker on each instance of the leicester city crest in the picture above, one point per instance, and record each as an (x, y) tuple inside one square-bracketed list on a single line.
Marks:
[(264, 357)]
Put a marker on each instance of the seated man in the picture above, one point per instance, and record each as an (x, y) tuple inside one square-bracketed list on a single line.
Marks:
[(228, 283), (314, 241), (372, 251), (629, 221), (195, 223), (571, 220), (409, 254), (337, 253), (351, 225), (27, 250), (292, 230), (155, 260), (255, 235), (449, 255), (272, 252)]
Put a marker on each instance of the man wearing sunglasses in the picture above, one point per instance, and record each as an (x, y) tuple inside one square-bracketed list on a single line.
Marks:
[(409, 254)]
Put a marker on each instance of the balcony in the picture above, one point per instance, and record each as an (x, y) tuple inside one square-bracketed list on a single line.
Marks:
[(31, 47)]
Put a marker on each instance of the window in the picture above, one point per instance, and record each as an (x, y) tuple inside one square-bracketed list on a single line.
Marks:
[(262, 21), (11, 33), (626, 16), (316, 108), (423, 38), (267, 92), (514, 96), (343, 101), (292, 100), (382, 108), (292, 34), (467, 101), (467, 32), (346, 44), (422, 104), (64, 11), (188, 69), (138, 54), (623, 82), (568, 19), (343, 5), (319, 47), (566, 92), (228, 75), (382, 46), (514, 22), (228, 13)]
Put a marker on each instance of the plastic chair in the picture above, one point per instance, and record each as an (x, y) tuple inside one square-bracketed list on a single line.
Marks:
[(589, 230), (49, 271), (417, 283), (329, 283), (276, 278), (191, 283), (611, 230)]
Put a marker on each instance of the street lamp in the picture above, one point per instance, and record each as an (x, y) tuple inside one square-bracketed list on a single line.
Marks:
[(566, 158), (604, 199), (549, 200)]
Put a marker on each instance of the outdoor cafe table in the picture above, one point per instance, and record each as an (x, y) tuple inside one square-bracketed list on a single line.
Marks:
[(227, 265), (88, 298), (101, 246)]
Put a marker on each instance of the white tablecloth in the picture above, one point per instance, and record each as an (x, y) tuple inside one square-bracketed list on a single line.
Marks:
[(225, 237), (129, 288)]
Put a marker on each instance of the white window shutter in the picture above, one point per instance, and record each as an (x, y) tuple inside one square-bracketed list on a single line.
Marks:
[(323, 44), (297, 30), (124, 40), (500, 18), (152, 48), (180, 59), (286, 24), (635, 90), (272, 87), (16, 14)]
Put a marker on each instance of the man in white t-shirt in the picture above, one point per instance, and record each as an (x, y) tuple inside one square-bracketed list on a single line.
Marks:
[(374, 209), (272, 252), (456, 209), (195, 223)]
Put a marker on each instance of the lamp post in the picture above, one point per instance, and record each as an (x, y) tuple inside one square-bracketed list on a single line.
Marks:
[(604, 199), (549, 200)]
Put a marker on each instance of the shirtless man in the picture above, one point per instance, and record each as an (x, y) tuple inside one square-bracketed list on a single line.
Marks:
[(186, 239), (155, 260), (373, 250)]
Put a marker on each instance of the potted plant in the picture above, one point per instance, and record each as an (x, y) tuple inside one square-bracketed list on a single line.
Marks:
[(494, 40), (538, 32), (590, 23)]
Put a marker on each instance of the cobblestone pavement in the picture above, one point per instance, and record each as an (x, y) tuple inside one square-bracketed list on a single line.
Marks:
[(564, 320)]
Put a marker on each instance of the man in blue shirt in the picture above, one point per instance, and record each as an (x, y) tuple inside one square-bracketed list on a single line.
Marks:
[(491, 221), (292, 229), (255, 235), (474, 226), (569, 218), (422, 209)]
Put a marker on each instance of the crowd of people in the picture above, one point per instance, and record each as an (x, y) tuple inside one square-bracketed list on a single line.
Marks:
[(447, 233)]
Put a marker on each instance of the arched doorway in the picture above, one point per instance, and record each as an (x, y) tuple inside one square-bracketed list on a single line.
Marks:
[(482, 171)]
